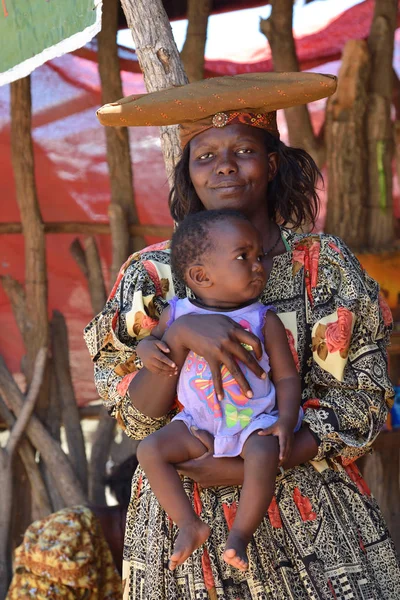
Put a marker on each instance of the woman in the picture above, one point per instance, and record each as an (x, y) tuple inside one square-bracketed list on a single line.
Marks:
[(323, 536)]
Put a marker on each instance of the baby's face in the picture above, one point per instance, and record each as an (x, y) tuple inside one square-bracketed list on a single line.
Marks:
[(235, 264)]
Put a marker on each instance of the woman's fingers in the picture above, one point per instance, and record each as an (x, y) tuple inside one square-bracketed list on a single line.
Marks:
[(215, 369), (248, 338), (246, 357), (237, 374)]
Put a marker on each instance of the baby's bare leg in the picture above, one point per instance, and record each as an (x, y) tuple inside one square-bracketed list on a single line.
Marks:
[(261, 456), (157, 455)]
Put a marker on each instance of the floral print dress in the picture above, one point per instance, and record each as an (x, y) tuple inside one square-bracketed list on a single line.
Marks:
[(323, 537)]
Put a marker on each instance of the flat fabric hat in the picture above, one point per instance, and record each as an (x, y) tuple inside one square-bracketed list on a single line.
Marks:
[(218, 101)]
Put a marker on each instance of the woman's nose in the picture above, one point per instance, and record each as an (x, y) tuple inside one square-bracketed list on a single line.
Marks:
[(226, 165)]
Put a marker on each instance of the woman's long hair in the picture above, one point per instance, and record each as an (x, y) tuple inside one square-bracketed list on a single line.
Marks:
[(292, 196)]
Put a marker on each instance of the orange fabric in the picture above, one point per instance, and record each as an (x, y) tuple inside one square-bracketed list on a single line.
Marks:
[(265, 121)]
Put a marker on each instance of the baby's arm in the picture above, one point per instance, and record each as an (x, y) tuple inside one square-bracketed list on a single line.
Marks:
[(286, 381), (152, 350)]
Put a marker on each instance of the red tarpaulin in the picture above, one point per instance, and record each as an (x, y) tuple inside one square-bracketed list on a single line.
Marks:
[(72, 176)]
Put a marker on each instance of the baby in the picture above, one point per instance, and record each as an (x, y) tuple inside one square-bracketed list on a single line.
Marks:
[(218, 253)]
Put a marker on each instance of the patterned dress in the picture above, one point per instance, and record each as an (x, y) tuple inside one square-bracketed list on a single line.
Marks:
[(324, 537)]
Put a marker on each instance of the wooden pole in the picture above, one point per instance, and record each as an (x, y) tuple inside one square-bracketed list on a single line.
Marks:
[(163, 231), (192, 54), (379, 126), (53, 456), (346, 149), (37, 327), (279, 32), (117, 141), (6, 458), (159, 60)]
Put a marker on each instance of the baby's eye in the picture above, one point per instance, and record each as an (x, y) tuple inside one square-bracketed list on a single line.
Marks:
[(242, 256)]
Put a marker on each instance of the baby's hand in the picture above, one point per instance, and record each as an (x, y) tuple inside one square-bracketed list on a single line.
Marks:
[(282, 429), (151, 352)]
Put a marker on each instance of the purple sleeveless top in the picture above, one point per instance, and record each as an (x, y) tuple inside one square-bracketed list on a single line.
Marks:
[(233, 419)]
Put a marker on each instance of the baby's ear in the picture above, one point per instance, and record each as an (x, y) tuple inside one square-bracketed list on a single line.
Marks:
[(197, 276)]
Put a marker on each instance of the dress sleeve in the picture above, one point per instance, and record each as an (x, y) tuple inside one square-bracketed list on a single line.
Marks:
[(132, 310), (348, 392)]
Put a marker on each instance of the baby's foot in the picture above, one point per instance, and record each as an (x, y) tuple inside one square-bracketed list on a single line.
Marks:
[(235, 552), (190, 537)]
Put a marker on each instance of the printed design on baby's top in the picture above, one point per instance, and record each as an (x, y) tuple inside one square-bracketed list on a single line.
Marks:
[(233, 415), (202, 384)]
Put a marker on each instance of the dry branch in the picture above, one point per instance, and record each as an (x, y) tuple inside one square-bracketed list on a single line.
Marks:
[(6, 461), (40, 498), (159, 60), (78, 253), (29, 404), (163, 231), (16, 295), (70, 413), (98, 458), (97, 289), (55, 459), (119, 238)]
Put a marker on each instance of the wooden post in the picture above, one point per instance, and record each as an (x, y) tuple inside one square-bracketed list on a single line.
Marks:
[(70, 413), (6, 458), (346, 148), (53, 456), (379, 126), (159, 60), (279, 32), (37, 327), (192, 54), (117, 140)]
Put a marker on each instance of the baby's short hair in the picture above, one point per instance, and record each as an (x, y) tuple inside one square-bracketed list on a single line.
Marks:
[(192, 239)]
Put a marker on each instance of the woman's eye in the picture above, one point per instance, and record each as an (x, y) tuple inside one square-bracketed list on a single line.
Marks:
[(260, 257), (242, 256), (205, 155), (244, 151)]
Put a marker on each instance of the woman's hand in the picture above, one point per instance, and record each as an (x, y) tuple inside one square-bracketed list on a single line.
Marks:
[(208, 471), (218, 339)]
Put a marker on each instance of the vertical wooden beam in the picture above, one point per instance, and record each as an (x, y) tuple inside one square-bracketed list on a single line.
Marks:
[(117, 138), (36, 327), (192, 54), (346, 148), (379, 126), (159, 60), (279, 32)]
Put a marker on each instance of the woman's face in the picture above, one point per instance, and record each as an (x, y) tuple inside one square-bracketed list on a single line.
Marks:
[(231, 168)]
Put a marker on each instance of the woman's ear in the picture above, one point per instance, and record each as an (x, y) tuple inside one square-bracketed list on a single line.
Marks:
[(197, 276), (273, 164)]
